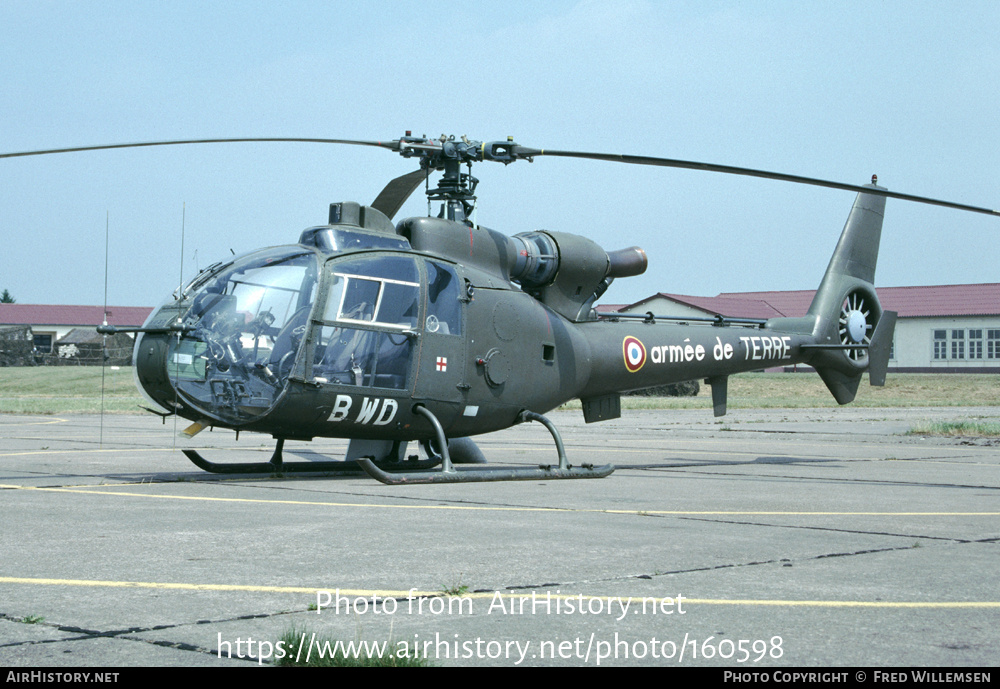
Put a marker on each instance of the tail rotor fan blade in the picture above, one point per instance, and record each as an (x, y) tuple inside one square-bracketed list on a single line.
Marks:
[(855, 327)]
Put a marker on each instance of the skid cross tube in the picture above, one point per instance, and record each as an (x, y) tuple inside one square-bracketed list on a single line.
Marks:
[(450, 474)]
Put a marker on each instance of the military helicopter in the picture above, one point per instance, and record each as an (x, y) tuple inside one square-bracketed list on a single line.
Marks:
[(436, 329)]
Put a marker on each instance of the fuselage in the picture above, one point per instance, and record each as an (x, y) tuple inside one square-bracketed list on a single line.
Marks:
[(344, 337)]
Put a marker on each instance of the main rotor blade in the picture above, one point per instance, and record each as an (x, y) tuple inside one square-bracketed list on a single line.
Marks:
[(523, 152), (409, 144), (391, 145), (396, 192)]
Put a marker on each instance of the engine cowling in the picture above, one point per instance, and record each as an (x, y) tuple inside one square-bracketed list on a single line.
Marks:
[(564, 271)]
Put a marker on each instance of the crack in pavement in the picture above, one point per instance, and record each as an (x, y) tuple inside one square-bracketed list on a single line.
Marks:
[(787, 562), (830, 528), (84, 634), (831, 479)]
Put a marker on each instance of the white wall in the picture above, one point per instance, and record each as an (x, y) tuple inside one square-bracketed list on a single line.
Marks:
[(914, 343)]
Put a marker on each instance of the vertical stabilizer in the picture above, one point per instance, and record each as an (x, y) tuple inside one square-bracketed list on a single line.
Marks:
[(846, 309), (856, 255)]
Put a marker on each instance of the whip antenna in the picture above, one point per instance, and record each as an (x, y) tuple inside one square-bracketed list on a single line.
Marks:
[(104, 338)]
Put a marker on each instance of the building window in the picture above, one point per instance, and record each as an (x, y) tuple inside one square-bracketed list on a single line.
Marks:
[(43, 344), (957, 344), (940, 344), (993, 344), (976, 344)]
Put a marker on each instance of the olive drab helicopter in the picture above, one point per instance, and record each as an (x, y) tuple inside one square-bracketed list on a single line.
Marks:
[(437, 329)]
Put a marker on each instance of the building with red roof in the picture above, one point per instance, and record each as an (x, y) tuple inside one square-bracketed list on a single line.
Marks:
[(941, 328), (50, 322)]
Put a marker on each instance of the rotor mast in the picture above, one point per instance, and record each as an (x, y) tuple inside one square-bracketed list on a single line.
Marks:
[(456, 189)]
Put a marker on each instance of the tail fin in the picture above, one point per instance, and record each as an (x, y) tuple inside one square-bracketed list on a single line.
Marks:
[(852, 332)]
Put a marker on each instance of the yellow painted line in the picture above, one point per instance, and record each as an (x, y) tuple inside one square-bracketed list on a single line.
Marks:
[(99, 490), (140, 450), (18, 422), (206, 587), (289, 502), (539, 597), (674, 454), (134, 450), (83, 452)]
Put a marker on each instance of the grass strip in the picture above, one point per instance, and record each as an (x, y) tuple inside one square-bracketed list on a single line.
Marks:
[(77, 389)]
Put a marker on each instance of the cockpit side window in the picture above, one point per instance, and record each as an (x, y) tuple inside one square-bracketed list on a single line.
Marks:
[(381, 291), (362, 358), (444, 310)]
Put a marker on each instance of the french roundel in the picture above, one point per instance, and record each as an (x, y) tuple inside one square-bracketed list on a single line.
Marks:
[(635, 354)]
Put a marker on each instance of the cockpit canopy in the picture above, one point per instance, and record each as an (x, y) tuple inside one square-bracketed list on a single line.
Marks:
[(244, 326), (294, 312)]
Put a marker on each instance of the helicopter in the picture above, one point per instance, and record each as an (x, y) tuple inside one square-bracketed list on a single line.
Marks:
[(438, 329)]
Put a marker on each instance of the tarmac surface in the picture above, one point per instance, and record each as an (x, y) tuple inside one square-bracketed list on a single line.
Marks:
[(759, 540)]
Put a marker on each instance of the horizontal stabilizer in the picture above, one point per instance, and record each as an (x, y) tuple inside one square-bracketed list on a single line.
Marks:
[(880, 347)]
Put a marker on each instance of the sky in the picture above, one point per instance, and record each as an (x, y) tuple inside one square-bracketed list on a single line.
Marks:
[(835, 90)]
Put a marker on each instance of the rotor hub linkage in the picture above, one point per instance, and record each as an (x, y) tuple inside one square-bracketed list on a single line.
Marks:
[(448, 154)]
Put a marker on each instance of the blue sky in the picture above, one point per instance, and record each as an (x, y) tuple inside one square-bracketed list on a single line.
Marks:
[(836, 90)]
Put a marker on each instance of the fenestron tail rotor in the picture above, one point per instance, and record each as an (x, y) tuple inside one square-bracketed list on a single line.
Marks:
[(856, 325)]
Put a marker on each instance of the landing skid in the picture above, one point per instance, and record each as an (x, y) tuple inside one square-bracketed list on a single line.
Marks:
[(449, 474), (276, 465)]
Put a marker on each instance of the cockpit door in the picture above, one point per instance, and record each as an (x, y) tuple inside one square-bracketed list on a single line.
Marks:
[(442, 369), (365, 334)]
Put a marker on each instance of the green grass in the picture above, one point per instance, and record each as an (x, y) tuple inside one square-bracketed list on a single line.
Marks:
[(333, 654), (68, 390), (456, 590), (77, 389), (801, 390), (965, 429)]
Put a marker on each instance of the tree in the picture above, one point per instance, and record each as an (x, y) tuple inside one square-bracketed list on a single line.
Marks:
[(5, 298)]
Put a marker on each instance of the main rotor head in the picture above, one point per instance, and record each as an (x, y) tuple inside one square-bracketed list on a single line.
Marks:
[(448, 154)]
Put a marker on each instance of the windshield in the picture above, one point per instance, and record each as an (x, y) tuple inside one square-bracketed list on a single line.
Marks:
[(245, 326)]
